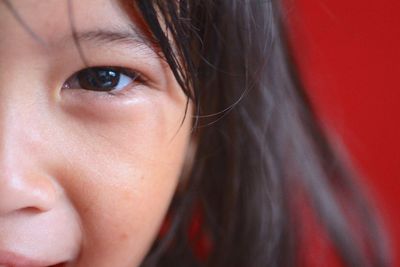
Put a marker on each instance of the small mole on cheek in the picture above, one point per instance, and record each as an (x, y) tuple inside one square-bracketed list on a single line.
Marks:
[(123, 237), (141, 177)]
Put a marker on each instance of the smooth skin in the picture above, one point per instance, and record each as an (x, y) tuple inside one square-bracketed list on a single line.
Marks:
[(86, 177)]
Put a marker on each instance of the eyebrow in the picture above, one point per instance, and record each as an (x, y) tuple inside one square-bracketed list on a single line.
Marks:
[(128, 36), (109, 36)]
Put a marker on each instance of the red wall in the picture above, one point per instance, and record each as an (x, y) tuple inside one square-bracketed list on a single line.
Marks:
[(349, 55)]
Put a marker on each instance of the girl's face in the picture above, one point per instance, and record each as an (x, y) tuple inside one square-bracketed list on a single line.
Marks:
[(89, 160)]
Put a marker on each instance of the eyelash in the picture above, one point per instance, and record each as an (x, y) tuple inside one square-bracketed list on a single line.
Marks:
[(111, 76)]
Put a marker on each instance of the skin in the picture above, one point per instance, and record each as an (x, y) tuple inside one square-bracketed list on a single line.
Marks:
[(85, 177)]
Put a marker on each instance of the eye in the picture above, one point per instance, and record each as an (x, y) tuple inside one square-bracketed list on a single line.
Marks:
[(102, 79)]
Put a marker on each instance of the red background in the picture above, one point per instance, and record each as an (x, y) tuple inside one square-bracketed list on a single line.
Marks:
[(349, 55)]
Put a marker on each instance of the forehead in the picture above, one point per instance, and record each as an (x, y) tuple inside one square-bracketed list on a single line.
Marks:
[(51, 20)]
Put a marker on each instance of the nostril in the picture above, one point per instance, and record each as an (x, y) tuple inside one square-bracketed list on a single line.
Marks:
[(30, 193), (62, 264), (31, 210)]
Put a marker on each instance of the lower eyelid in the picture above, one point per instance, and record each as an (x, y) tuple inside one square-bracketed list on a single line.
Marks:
[(128, 91)]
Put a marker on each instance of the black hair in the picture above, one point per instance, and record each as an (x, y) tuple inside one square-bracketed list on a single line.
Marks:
[(262, 156)]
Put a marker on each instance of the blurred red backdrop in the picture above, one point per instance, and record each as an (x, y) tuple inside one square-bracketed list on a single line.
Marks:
[(349, 56)]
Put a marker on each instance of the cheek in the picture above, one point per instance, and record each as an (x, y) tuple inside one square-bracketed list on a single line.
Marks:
[(121, 174), (120, 221)]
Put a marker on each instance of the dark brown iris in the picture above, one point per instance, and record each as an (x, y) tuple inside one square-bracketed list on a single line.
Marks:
[(98, 79)]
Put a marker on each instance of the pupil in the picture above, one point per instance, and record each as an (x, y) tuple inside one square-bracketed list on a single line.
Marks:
[(98, 79)]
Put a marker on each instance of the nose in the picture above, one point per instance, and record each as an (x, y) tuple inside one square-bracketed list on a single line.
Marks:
[(22, 190), (25, 183)]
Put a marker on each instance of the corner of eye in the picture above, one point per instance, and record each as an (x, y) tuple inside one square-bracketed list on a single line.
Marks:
[(65, 86)]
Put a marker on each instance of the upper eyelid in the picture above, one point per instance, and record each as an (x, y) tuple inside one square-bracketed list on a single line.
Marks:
[(121, 70), (125, 43), (118, 46)]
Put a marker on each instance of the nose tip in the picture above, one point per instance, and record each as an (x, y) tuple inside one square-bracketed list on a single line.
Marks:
[(31, 191)]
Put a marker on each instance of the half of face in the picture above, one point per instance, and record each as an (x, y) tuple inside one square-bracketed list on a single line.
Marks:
[(91, 149)]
